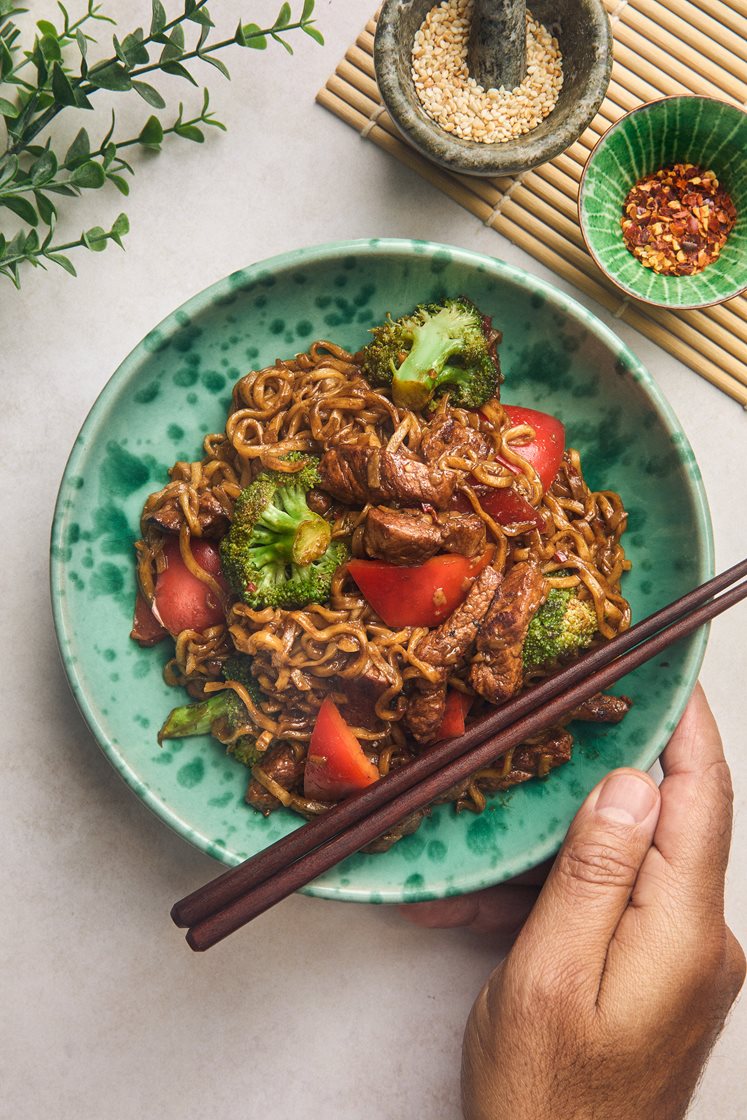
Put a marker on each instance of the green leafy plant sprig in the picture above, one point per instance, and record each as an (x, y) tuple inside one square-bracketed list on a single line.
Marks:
[(39, 83)]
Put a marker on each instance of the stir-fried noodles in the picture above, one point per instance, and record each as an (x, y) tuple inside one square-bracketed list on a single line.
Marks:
[(382, 678)]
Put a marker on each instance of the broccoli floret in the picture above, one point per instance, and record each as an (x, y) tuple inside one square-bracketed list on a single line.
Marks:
[(278, 552), (244, 750), (438, 347), (221, 715), (562, 626)]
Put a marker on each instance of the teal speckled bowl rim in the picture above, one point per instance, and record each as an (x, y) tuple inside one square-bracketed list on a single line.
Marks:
[(331, 252), (628, 291)]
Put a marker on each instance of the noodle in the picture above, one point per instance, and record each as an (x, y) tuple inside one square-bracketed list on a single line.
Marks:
[(301, 656)]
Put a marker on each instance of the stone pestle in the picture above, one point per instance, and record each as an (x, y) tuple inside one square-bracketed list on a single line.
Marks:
[(497, 54)]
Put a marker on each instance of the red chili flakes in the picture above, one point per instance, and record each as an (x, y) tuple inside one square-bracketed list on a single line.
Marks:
[(677, 220)]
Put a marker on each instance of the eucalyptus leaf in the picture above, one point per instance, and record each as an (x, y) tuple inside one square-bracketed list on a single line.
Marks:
[(109, 132), (283, 17), (151, 133), (79, 150), (45, 206), (121, 225), (62, 261), (158, 18), (178, 71), (89, 175), (135, 51), (216, 62), (119, 50), (44, 169), (314, 33), (8, 110), (112, 76), (251, 36), (201, 16), (40, 62), (22, 207), (51, 48), (6, 60), (282, 42), (50, 232), (8, 168), (119, 182), (149, 94), (95, 239), (169, 53), (190, 132), (62, 188), (308, 8), (47, 28)]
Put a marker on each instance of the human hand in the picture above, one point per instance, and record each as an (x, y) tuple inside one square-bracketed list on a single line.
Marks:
[(621, 979)]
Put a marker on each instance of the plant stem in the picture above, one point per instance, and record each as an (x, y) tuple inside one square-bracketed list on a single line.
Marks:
[(8, 262), (42, 122), (68, 35)]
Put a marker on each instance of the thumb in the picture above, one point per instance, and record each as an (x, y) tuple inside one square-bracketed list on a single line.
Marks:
[(589, 887)]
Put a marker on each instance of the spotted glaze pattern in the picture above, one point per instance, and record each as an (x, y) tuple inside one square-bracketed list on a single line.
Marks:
[(699, 130), (175, 387)]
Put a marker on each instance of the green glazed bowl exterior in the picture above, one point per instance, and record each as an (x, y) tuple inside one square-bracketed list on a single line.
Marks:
[(175, 387), (709, 133)]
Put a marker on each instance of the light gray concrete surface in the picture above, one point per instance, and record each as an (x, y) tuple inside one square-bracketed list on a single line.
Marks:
[(320, 1009)]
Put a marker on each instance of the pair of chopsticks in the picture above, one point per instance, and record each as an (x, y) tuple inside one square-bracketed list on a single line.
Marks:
[(242, 893)]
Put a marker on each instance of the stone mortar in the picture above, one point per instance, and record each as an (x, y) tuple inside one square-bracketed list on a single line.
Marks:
[(583, 32)]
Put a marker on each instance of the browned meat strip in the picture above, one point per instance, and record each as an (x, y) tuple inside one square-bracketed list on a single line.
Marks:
[(279, 763), (357, 475), (529, 760), (425, 709), (533, 759), (361, 694), (448, 644), (497, 670), (446, 648), (212, 517), (401, 536), (464, 534), (412, 536), (404, 828), (447, 435), (603, 709)]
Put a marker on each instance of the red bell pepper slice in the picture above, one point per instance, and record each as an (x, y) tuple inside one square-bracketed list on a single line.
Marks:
[(545, 452), (458, 705), (181, 600), (508, 506), (336, 764), (418, 594)]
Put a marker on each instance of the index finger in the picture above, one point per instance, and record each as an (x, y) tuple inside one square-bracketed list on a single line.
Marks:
[(693, 834)]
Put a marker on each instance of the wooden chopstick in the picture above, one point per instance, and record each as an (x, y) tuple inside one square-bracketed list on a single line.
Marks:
[(242, 893)]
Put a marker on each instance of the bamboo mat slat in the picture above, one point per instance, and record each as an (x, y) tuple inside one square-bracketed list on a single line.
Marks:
[(662, 47)]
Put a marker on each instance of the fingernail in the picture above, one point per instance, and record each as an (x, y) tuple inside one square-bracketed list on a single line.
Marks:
[(626, 798)]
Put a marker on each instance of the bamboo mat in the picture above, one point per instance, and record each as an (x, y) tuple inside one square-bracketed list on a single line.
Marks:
[(661, 47)]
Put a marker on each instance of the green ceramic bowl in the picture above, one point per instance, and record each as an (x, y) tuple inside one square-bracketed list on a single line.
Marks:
[(699, 130), (175, 387)]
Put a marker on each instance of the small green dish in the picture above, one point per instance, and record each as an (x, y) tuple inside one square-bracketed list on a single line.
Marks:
[(699, 130)]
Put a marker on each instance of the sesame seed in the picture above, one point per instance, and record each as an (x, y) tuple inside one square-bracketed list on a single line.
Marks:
[(457, 103)]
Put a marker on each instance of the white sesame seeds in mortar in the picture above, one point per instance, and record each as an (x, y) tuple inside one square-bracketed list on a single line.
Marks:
[(457, 103)]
